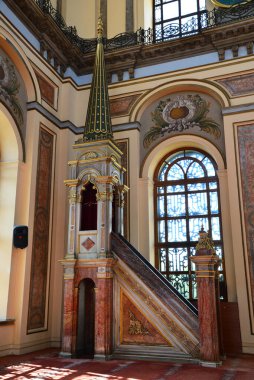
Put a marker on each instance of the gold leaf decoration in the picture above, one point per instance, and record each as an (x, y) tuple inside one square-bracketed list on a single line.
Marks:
[(136, 327), (9, 88), (180, 114)]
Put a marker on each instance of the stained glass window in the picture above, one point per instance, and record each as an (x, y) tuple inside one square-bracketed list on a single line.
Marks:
[(186, 198)]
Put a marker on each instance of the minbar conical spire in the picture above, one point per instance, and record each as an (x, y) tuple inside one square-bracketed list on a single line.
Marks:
[(98, 122)]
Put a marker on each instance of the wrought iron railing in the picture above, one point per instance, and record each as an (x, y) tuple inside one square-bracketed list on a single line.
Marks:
[(201, 21)]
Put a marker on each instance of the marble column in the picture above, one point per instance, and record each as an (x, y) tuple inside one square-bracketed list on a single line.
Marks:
[(72, 196), (104, 311), (207, 263), (104, 202), (68, 312), (119, 200)]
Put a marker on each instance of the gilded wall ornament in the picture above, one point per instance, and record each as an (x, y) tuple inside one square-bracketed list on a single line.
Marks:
[(89, 155), (9, 88), (180, 114)]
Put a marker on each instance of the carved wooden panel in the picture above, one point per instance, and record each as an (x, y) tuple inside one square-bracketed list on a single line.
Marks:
[(135, 327), (246, 153), (37, 318)]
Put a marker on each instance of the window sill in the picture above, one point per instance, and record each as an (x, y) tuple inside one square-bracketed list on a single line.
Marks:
[(8, 321)]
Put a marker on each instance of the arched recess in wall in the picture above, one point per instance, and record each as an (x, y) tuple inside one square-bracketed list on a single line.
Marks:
[(22, 63), (147, 237), (18, 81), (177, 116), (10, 161)]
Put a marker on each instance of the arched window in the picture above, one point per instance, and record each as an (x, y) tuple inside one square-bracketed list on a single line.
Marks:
[(177, 18), (186, 198)]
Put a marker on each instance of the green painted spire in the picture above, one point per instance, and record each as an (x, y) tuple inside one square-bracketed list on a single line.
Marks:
[(98, 122)]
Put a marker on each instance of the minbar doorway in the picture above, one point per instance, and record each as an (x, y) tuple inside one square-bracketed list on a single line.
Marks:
[(86, 316)]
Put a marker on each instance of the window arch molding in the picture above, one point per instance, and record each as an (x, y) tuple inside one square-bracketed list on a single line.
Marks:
[(172, 86), (145, 231), (179, 142)]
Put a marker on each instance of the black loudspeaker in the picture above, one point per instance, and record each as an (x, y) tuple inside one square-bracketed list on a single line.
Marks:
[(20, 237)]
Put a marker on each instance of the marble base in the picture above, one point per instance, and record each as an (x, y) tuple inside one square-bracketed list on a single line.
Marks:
[(210, 364), (101, 357), (65, 354)]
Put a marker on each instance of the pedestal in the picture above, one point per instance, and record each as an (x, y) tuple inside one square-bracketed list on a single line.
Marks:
[(66, 349), (208, 310), (104, 312)]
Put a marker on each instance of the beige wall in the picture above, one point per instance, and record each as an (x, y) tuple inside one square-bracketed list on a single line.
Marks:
[(81, 14), (115, 25), (143, 14), (84, 15)]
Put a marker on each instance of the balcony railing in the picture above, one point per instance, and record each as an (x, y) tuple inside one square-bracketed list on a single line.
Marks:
[(198, 23)]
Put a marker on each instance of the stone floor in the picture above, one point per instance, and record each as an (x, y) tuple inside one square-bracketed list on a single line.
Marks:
[(46, 365)]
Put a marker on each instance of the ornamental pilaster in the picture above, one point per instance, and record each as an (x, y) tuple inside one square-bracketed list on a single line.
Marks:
[(104, 203), (72, 196)]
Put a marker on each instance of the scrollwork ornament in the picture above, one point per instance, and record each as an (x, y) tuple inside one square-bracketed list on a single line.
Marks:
[(180, 114), (9, 88), (136, 327), (104, 196)]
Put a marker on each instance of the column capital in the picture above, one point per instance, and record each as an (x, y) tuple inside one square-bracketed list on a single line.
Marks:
[(71, 182), (206, 266), (106, 180)]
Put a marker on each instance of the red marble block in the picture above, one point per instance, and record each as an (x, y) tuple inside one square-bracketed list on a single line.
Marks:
[(103, 316)]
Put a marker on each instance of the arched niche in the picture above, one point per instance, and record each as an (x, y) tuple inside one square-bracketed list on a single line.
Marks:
[(85, 342), (146, 182), (146, 188), (11, 154), (88, 212)]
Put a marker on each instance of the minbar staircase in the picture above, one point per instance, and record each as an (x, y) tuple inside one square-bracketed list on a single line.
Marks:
[(152, 319)]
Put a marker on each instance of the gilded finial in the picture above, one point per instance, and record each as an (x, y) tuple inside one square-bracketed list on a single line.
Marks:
[(100, 27), (98, 121), (205, 242)]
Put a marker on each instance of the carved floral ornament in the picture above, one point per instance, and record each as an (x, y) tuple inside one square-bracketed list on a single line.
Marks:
[(135, 326), (180, 114), (9, 88)]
